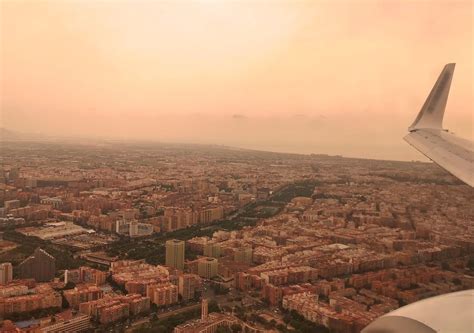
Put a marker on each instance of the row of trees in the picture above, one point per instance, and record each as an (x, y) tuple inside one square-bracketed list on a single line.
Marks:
[(39, 313), (168, 324)]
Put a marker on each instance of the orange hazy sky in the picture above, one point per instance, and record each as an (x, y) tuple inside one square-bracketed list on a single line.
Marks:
[(337, 77)]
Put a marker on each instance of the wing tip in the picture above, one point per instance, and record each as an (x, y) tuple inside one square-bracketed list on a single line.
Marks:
[(432, 112)]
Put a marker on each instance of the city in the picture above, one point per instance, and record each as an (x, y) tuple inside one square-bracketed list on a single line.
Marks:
[(190, 238), (236, 166)]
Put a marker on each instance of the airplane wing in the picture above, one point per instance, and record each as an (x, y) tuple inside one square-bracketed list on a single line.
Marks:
[(439, 314), (454, 154)]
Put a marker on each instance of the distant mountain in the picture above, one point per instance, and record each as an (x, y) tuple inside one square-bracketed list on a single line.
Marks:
[(10, 135), (7, 135)]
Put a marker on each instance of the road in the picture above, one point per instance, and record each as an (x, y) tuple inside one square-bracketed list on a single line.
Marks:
[(163, 315), (177, 311)]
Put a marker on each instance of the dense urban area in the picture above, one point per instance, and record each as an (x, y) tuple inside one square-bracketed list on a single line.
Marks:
[(123, 237)]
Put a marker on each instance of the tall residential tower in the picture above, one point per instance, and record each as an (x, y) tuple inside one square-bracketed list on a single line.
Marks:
[(175, 254), (6, 273)]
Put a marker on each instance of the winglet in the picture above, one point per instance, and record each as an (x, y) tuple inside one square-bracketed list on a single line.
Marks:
[(432, 112)]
